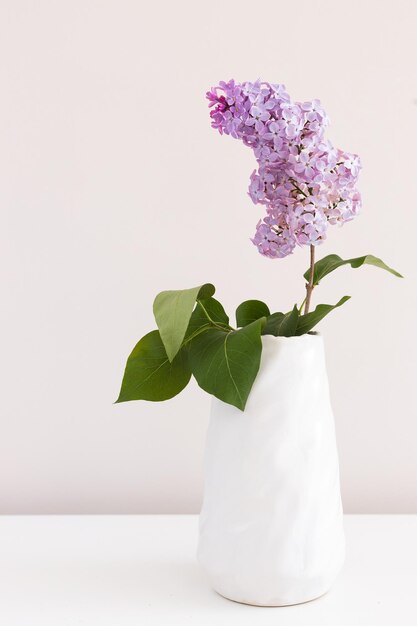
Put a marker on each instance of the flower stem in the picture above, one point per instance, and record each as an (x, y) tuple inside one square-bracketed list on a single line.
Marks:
[(298, 188), (310, 284)]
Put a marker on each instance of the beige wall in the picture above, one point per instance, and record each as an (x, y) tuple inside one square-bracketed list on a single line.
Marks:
[(114, 187)]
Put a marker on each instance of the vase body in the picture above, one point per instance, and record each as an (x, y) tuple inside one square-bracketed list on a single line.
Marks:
[(271, 525)]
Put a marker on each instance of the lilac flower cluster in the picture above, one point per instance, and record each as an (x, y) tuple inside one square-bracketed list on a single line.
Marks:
[(302, 180)]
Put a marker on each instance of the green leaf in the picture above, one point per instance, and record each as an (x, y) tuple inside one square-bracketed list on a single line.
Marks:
[(288, 325), (309, 320), (149, 375), (249, 311), (172, 310), (205, 313), (282, 324), (225, 363), (333, 261), (273, 322)]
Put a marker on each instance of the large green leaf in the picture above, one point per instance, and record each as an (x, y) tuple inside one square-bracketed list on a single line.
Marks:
[(207, 313), (333, 261), (172, 310), (225, 363), (249, 311), (309, 320), (149, 375)]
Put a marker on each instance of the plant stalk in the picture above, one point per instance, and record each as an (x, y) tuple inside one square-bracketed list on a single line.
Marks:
[(310, 284)]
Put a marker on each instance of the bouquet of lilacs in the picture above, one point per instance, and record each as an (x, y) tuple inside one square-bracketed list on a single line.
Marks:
[(302, 180), (305, 185)]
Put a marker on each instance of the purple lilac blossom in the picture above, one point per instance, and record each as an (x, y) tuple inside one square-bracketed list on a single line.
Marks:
[(304, 182)]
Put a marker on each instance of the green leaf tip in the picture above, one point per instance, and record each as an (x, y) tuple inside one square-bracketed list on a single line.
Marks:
[(308, 321), (172, 311), (331, 262)]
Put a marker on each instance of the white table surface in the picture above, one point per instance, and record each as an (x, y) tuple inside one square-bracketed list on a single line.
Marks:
[(141, 570)]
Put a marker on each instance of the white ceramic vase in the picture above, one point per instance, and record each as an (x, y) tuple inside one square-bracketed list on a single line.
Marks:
[(271, 525)]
